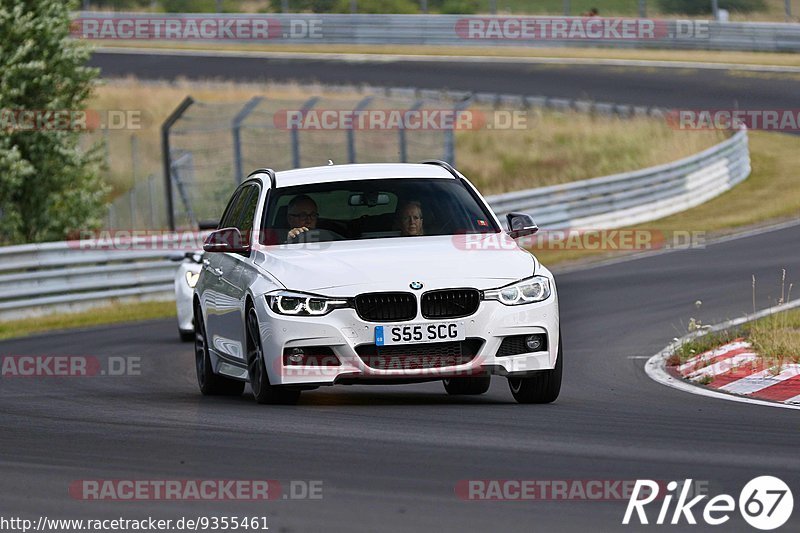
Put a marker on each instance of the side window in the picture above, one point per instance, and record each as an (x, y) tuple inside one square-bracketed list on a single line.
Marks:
[(228, 215), (247, 212)]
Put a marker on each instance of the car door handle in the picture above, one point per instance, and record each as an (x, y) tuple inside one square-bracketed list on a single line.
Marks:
[(218, 271)]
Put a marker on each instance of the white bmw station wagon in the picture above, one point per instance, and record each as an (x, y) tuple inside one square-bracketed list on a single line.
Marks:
[(372, 274)]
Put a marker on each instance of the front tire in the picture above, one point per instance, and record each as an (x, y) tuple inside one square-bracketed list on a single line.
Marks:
[(467, 386), (263, 392), (542, 387), (210, 384)]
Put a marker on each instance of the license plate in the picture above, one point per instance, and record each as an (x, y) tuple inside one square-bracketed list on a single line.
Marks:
[(419, 333)]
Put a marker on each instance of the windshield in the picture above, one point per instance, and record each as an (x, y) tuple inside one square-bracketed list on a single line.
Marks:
[(373, 209)]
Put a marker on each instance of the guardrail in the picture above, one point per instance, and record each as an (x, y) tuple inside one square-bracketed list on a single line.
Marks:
[(449, 30), (74, 275), (634, 197)]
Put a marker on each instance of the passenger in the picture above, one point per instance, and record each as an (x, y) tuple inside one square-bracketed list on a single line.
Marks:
[(409, 219)]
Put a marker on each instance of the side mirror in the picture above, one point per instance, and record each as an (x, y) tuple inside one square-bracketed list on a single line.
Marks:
[(226, 240), (520, 225)]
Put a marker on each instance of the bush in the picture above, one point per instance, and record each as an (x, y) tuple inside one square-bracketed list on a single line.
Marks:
[(49, 188), (700, 7), (189, 6)]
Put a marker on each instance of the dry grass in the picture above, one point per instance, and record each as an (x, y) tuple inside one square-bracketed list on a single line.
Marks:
[(555, 147), (112, 314), (559, 147), (702, 56), (769, 194)]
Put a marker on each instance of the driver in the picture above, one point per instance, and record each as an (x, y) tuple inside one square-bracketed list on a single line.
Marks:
[(302, 215)]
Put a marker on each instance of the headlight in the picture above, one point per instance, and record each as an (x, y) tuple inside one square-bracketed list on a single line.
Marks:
[(299, 304), (191, 278), (527, 291)]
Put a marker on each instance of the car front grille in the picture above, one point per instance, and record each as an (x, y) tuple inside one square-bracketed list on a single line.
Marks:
[(386, 306), (419, 356), (450, 303)]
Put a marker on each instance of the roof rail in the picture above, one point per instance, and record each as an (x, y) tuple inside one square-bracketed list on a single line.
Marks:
[(269, 172), (444, 164)]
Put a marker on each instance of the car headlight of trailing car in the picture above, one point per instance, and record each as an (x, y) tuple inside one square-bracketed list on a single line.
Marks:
[(191, 278), (530, 290), (300, 304)]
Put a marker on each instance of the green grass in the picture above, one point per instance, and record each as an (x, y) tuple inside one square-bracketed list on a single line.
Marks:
[(112, 314), (776, 338)]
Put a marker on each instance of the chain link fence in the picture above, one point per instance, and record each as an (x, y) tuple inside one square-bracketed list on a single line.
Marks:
[(211, 147)]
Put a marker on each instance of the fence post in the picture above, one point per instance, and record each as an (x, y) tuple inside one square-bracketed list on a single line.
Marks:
[(401, 132), (165, 155), (642, 8), (311, 102), (184, 159), (151, 198), (351, 137), (567, 8), (237, 140)]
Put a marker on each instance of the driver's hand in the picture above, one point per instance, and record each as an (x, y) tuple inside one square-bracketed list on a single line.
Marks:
[(296, 231)]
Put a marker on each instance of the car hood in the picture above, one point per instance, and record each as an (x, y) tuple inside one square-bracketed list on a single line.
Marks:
[(344, 268)]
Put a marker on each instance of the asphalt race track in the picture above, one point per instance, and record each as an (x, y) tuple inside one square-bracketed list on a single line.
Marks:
[(390, 457), (669, 87)]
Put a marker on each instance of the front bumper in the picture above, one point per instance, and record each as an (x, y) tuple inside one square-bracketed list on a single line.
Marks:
[(343, 331)]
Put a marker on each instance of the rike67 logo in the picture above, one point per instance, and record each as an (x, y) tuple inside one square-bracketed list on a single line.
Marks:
[(765, 503)]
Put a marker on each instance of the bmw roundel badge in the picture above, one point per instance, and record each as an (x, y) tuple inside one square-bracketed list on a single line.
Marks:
[(416, 285)]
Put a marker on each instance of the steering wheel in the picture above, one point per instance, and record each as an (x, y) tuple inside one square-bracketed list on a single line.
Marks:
[(315, 235)]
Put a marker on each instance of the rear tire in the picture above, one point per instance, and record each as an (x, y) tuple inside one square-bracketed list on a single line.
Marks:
[(263, 392), (467, 386), (210, 384), (542, 387)]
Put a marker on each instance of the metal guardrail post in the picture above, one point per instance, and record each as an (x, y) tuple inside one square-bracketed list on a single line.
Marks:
[(402, 134), (351, 137), (165, 155), (311, 102), (236, 128)]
